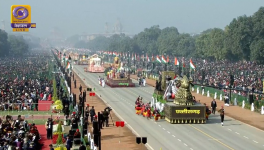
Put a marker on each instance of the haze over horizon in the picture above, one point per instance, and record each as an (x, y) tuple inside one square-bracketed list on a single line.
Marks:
[(90, 16)]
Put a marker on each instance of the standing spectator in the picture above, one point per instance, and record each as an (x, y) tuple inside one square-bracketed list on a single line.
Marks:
[(49, 125), (92, 113), (80, 88), (68, 143), (75, 84)]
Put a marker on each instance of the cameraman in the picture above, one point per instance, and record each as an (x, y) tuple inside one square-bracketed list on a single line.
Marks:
[(106, 116)]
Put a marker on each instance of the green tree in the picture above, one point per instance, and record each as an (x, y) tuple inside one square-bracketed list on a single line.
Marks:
[(258, 23), (239, 37), (18, 45), (185, 46), (217, 44), (242, 39), (202, 45), (257, 50), (168, 40), (4, 45), (147, 40)]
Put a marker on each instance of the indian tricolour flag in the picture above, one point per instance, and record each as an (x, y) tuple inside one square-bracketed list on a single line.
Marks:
[(158, 59), (148, 59), (192, 65), (176, 62), (68, 66), (163, 59)]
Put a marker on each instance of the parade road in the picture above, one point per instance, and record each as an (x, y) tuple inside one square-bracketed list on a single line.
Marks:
[(234, 135)]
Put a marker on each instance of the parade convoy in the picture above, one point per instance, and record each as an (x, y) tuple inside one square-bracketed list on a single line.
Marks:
[(172, 99), (177, 103)]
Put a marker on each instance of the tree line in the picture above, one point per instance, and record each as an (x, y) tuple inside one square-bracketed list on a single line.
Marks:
[(242, 39), (12, 45)]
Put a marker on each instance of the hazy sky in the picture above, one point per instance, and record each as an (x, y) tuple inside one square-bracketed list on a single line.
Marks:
[(78, 16)]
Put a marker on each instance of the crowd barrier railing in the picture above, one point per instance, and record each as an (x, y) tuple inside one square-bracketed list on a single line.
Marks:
[(26, 106)]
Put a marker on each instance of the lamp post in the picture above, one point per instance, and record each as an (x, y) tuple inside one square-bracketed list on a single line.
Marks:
[(135, 62), (143, 64), (128, 60)]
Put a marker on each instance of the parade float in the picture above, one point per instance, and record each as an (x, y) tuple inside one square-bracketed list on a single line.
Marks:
[(95, 64), (83, 60), (173, 97), (75, 57), (117, 77)]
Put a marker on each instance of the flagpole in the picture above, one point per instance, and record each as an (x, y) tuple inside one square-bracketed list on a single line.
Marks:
[(165, 62)]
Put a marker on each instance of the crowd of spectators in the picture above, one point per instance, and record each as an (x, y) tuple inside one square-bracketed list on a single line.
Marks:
[(17, 134), (23, 81), (248, 75)]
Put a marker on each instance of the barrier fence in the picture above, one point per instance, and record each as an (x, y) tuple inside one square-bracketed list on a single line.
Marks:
[(219, 94), (26, 106)]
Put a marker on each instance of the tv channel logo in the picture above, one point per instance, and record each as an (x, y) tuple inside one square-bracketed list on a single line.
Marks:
[(21, 18)]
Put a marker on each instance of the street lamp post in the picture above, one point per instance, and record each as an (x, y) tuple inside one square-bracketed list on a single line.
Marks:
[(143, 64), (128, 65), (135, 62)]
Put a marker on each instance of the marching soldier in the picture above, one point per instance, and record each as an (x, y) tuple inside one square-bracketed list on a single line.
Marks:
[(222, 114)]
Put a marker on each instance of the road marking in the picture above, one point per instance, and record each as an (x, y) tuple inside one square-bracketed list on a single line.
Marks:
[(214, 139), (159, 125), (163, 128), (155, 122), (168, 132), (191, 149), (237, 133), (173, 135), (117, 114), (211, 137), (245, 137), (185, 144), (229, 129), (179, 140), (255, 141)]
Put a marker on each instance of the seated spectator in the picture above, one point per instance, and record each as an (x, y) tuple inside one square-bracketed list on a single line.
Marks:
[(77, 134)]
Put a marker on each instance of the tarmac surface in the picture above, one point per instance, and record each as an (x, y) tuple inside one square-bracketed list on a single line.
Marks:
[(233, 135), (113, 138)]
